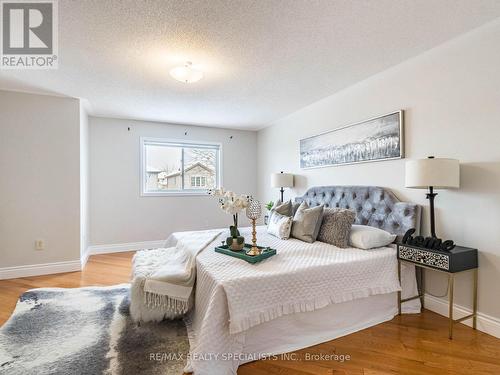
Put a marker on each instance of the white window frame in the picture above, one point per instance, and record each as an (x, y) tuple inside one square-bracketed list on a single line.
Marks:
[(179, 143)]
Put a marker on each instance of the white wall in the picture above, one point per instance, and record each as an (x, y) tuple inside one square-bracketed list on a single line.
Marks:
[(39, 183), (118, 213), (451, 98)]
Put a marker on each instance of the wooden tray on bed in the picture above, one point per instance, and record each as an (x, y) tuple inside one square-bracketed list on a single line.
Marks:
[(266, 253)]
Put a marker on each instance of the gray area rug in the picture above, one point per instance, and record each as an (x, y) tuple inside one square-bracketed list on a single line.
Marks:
[(87, 331)]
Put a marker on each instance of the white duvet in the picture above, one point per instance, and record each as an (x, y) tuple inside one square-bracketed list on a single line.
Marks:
[(232, 296)]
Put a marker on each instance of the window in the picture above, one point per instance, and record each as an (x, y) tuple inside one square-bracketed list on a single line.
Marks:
[(177, 167), (199, 181)]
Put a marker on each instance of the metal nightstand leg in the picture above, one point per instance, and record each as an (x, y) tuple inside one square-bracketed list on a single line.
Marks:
[(399, 292), (474, 302), (451, 279), (422, 287), (451, 284), (420, 291)]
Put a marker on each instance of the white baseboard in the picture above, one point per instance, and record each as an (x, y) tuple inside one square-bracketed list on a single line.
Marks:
[(121, 247), (39, 269), (84, 257), (485, 323), (74, 265)]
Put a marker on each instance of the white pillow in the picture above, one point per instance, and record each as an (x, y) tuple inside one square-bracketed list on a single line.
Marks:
[(279, 225), (366, 237)]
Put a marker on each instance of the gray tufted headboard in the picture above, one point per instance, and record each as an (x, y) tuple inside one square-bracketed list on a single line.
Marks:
[(375, 206)]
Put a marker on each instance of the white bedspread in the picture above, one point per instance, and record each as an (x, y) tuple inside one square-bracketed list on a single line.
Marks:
[(233, 296)]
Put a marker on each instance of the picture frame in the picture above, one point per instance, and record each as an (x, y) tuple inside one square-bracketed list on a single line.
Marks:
[(379, 138)]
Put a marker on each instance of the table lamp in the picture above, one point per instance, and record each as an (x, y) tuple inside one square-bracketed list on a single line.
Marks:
[(281, 180), (432, 173)]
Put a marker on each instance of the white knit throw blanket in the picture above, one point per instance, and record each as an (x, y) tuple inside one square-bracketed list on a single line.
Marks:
[(169, 273)]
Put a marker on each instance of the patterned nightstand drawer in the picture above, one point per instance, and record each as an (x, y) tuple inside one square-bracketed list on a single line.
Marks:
[(458, 259), (425, 257)]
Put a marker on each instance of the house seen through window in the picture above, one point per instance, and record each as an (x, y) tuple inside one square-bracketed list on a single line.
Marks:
[(170, 166)]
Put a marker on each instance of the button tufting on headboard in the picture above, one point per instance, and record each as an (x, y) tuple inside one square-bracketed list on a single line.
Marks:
[(374, 206)]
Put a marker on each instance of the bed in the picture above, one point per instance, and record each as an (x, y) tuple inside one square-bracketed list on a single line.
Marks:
[(306, 294)]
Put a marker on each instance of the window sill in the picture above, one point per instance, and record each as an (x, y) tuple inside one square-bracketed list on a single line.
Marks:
[(174, 193)]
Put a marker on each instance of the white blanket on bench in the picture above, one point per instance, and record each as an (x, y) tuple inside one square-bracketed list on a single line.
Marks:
[(167, 275)]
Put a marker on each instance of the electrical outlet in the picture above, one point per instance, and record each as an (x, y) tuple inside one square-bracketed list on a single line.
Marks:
[(39, 244)]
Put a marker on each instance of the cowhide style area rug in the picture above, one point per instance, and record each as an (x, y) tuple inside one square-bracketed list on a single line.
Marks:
[(87, 331)]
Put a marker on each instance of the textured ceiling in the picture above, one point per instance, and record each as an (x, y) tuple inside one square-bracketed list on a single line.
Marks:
[(262, 59)]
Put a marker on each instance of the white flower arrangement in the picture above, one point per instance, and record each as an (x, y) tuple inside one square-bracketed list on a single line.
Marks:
[(231, 202)]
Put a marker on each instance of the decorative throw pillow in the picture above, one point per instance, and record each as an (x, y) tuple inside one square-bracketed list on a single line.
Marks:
[(279, 225), (306, 222), (366, 237), (336, 226), (283, 208), (295, 207)]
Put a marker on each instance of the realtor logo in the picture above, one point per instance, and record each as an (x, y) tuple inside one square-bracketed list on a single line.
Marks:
[(29, 34)]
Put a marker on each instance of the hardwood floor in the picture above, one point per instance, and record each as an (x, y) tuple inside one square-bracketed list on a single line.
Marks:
[(409, 344), (108, 269)]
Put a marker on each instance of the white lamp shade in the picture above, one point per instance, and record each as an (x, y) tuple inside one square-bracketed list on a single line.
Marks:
[(437, 172), (279, 180)]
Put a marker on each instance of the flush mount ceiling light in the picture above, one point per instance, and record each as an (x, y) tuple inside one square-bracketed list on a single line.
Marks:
[(186, 73)]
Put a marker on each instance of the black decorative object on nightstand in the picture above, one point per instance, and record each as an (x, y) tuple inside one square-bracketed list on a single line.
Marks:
[(433, 243), (459, 259)]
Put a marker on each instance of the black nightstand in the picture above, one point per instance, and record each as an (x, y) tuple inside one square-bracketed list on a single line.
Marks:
[(459, 259)]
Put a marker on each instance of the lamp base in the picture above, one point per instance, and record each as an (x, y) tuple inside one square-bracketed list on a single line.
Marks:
[(430, 196)]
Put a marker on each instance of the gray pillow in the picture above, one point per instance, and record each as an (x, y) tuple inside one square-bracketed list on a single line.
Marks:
[(337, 223), (283, 208), (307, 222)]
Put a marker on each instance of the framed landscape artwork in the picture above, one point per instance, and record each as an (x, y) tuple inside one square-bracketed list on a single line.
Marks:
[(376, 139)]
